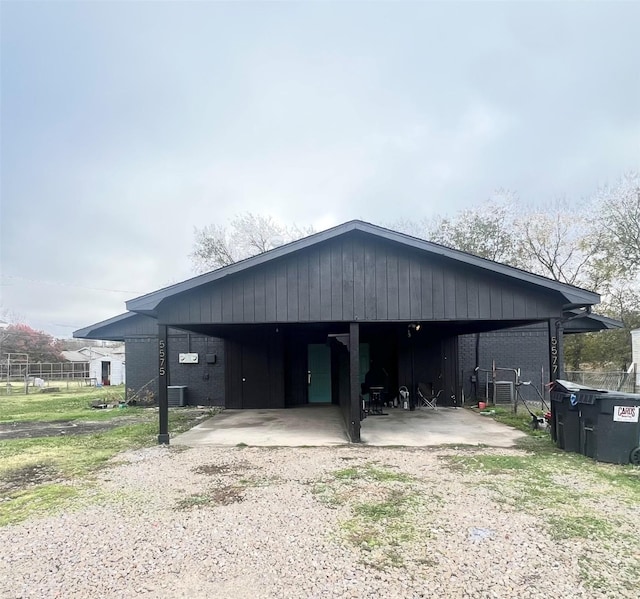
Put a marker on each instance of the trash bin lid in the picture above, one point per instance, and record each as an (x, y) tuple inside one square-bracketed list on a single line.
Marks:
[(564, 386)]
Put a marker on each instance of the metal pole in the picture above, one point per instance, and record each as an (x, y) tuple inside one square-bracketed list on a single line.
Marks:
[(163, 381), (354, 382)]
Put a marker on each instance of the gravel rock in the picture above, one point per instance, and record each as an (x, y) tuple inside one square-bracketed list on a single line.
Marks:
[(253, 522)]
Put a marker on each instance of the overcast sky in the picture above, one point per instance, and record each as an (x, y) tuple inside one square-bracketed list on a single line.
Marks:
[(126, 124)]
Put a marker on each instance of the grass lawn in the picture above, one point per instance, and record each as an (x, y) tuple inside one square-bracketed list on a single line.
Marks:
[(42, 473), (64, 405)]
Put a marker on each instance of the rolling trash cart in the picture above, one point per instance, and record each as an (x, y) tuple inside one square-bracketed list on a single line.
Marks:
[(608, 422)]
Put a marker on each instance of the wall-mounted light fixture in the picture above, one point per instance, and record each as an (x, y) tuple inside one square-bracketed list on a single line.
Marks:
[(413, 326)]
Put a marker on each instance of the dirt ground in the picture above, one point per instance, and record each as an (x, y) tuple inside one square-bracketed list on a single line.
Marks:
[(35, 429)]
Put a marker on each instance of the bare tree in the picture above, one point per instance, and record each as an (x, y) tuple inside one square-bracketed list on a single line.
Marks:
[(561, 245), (486, 231), (619, 218), (246, 235)]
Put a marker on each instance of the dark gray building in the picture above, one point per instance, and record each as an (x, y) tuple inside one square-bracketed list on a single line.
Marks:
[(302, 324)]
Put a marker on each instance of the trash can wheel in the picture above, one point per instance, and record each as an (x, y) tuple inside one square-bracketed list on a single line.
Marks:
[(634, 458)]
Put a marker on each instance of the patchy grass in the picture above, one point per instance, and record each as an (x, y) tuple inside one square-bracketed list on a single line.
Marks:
[(221, 469), (382, 527), (521, 420), (567, 493), (582, 526), (383, 511), (217, 496), (35, 474), (370, 472), (21, 505)]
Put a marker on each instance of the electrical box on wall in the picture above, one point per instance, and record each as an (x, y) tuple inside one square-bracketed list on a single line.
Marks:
[(211, 358), (188, 358)]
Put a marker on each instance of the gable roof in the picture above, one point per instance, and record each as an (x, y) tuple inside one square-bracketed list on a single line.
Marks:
[(575, 296)]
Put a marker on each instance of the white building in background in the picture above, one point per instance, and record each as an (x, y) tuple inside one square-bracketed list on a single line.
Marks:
[(635, 353), (106, 364), (108, 368)]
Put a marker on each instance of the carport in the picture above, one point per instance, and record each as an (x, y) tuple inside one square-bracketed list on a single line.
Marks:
[(299, 325)]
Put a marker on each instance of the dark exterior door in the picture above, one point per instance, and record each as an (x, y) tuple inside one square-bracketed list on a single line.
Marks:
[(254, 371), (255, 375)]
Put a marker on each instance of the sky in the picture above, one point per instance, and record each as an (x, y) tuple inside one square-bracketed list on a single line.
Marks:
[(124, 125)]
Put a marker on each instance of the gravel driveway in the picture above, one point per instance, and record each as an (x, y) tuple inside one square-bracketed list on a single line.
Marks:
[(306, 522)]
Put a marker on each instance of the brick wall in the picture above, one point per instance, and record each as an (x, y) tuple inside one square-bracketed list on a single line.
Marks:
[(526, 348), (205, 382), (141, 358)]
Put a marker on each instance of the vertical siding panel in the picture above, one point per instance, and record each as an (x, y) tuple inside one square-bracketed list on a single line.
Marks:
[(303, 287), (249, 298), (281, 291), (237, 290), (370, 288), (473, 307), (205, 304), (347, 280), (449, 293), (216, 304), (227, 302), (484, 300), (519, 304), (260, 306), (382, 312), (404, 289), (531, 305), (507, 303), (325, 283), (314, 286), (496, 300), (292, 290), (270, 285), (462, 309), (393, 291), (415, 289), (194, 307), (426, 279), (336, 281), (438, 292), (359, 278)]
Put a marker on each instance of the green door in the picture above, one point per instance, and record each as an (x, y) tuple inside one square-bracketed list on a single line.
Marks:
[(319, 373)]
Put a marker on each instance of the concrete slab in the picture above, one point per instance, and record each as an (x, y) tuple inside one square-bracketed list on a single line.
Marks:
[(323, 426), (425, 427), (293, 427)]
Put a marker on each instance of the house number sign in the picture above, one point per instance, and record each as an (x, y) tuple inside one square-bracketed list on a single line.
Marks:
[(163, 356), (554, 355)]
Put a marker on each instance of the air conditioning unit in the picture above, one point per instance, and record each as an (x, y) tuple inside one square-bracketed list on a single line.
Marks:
[(503, 392), (177, 396)]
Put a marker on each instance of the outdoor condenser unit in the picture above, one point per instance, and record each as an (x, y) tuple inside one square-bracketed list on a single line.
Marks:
[(177, 396), (503, 392)]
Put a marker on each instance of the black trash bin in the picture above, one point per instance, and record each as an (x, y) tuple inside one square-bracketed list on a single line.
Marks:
[(610, 426), (565, 419)]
